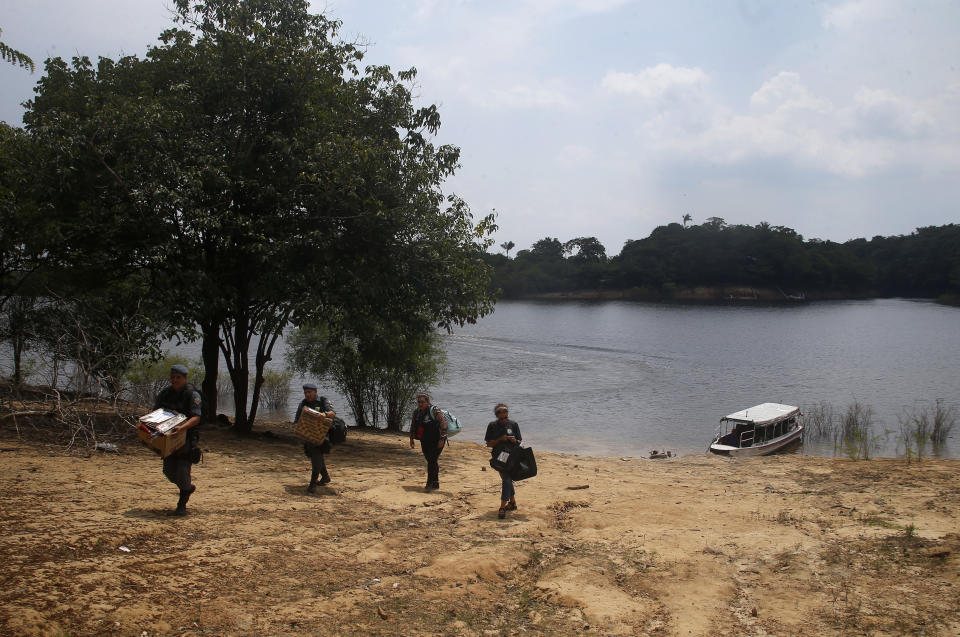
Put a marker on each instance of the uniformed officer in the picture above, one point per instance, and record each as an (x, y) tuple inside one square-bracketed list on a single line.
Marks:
[(315, 452), (183, 398)]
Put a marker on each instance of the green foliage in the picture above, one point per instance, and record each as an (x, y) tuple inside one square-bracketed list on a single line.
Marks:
[(147, 377), (717, 254), (11, 55), (276, 388), (854, 436), (379, 370), (251, 174), (420, 365), (926, 424)]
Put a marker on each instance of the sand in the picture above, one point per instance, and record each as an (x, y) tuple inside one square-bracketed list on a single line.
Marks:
[(694, 545)]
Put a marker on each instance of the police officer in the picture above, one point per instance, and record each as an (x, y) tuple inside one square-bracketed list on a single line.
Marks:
[(315, 452), (183, 398)]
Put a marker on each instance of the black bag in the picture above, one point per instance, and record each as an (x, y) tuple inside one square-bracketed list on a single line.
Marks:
[(526, 466), (516, 461), (338, 431), (194, 452)]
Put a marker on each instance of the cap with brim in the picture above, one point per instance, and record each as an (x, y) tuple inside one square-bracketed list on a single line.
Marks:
[(310, 386), (179, 369)]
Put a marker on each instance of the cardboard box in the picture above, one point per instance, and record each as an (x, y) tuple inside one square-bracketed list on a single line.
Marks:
[(153, 430), (312, 426), (163, 444)]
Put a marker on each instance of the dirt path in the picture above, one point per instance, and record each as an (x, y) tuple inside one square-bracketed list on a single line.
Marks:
[(788, 545)]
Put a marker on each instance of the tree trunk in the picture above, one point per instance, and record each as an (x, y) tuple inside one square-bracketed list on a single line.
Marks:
[(210, 352), (269, 334), (240, 374), (17, 356)]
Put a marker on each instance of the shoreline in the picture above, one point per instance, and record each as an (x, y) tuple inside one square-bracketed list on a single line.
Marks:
[(721, 295), (703, 545)]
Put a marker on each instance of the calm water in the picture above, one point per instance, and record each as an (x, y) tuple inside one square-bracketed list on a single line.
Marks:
[(623, 378)]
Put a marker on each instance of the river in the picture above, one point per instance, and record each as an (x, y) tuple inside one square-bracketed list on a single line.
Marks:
[(620, 377), (624, 378)]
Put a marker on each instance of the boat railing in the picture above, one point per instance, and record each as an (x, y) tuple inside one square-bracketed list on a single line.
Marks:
[(746, 438)]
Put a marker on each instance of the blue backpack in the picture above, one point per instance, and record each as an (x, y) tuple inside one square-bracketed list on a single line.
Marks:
[(453, 425)]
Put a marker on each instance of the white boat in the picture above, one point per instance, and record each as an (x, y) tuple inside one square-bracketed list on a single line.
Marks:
[(758, 431)]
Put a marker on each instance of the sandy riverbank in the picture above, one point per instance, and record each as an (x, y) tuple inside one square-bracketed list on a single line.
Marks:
[(696, 545)]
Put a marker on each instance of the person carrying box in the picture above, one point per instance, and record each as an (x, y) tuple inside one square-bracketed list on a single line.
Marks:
[(185, 399)]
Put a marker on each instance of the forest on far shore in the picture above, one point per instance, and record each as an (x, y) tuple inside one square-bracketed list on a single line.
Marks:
[(715, 254)]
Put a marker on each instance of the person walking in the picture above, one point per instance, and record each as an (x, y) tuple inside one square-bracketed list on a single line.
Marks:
[(429, 426), (185, 399), (504, 430), (313, 451)]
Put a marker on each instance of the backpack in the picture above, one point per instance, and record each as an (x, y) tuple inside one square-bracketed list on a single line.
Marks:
[(338, 431), (453, 425)]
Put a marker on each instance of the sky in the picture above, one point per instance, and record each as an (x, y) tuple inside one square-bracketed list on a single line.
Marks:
[(607, 118)]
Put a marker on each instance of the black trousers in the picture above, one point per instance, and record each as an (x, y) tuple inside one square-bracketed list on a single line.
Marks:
[(176, 467), (432, 453), (317, 464)]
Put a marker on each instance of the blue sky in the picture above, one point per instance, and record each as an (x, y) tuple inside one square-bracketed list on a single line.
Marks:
[(607, 118)]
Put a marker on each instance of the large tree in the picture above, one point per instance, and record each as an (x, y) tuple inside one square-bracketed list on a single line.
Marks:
[(273, 179)]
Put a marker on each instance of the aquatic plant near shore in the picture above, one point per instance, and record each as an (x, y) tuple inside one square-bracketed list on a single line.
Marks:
[(926, 424), (854, 433), (820, 421)]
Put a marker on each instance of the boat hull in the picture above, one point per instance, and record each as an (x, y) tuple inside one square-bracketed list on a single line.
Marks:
[(771, 446)]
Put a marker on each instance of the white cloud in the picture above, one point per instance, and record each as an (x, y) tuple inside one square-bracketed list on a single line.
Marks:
[(655, 82), (785, 92), (881, 112), (550, 95), (874, 130), (856, 12)]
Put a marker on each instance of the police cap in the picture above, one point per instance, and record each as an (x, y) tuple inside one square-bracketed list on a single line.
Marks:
[(310, 386), (179, 369)]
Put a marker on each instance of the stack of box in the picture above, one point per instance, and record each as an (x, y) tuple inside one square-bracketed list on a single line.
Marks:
[(154, 431)]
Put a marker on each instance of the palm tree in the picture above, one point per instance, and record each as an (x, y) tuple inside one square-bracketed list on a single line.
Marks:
[(15, 57), (507, 247), (686, 219)]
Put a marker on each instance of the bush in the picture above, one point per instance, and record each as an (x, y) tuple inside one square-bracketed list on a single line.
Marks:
[(275, 391), (147, 378)]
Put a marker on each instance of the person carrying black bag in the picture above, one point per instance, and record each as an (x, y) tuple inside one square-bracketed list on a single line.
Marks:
[(504, 430), (185, 399)]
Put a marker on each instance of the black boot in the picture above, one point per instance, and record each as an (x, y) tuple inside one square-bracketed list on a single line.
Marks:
[(324, 478), (181, 509), (313, 483)]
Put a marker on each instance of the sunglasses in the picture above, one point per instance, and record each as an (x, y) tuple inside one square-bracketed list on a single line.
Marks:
[(502, 411)]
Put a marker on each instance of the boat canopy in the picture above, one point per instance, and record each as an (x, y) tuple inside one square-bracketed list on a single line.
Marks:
[(763, 414)]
